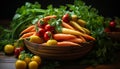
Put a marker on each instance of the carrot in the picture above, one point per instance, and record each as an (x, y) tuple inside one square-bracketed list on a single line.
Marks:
[(66, 25), (88, 37), (49, 17), (77, 26), (76, 40), (81, 22), (83, 39), (27, 34), (74, 32), (67, 43), (62, 36), (70, 31), (74, 17), (28, 29), (32, 30)]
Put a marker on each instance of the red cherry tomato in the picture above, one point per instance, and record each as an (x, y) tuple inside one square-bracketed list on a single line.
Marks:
[(66, 18), (47, 35), (41, 24), (41, 32), (17, 51), (49, 28), (112, 24)]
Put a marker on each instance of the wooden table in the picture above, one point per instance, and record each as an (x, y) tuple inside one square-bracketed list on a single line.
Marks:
[(8, 62)]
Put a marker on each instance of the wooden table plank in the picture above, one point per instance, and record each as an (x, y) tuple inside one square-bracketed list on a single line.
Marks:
[(8, 62)]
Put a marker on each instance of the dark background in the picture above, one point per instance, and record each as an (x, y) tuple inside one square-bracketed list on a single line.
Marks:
[(106, 8)]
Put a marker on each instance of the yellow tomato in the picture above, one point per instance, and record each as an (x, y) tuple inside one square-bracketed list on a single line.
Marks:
[(36, 58), (9, 49), (35, 39), (24, 57), (20, 64), (33, 65), (51, 42), (27, 60)]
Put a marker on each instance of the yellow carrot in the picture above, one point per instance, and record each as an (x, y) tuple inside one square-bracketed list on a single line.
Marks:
[(70, 31), (77, 26), (74, 17), (75, 32), (81, 22), (87, 30)]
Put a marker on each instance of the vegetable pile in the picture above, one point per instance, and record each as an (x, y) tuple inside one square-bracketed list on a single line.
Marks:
[(64, 31), (52, 25)]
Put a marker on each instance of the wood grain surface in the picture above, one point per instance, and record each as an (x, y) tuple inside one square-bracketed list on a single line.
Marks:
[(8, 62)]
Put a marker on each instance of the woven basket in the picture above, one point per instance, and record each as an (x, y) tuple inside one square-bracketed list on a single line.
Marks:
[(114, 35), (59, 52)]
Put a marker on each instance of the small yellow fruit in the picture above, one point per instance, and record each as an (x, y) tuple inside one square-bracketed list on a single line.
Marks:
[(27, 60), (20, 64), (35, 39), (33, 65), (51, 42), (36, 58), (9, 49)]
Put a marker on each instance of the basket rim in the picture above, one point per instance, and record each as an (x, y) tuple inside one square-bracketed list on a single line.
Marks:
[(115, 32), (56, 45), (59, 52)]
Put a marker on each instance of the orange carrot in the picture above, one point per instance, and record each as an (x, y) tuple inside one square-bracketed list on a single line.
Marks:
[(61, 36), (88, 37), (83, 39), (28, 29), (27, 34), (33, 30), (76, 40), (67, 43), (66, 25), (49, 17)]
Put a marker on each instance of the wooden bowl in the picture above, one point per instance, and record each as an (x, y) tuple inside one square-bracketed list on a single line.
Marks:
[(59, 52), (114, 35)]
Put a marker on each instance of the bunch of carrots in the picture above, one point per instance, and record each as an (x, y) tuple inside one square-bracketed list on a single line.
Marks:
[(73, 31)]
